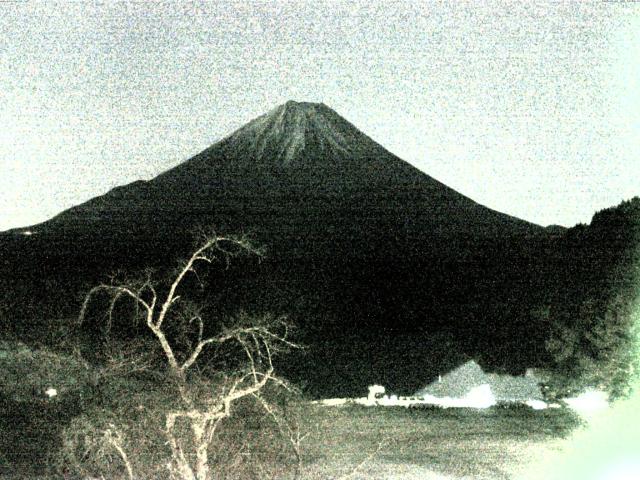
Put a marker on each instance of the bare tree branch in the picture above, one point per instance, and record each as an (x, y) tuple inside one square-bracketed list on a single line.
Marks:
[(258, 338), (113, 437), (114, 290), (293, 435)]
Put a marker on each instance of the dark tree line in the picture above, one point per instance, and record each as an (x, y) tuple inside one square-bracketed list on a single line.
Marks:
[(591, 312)]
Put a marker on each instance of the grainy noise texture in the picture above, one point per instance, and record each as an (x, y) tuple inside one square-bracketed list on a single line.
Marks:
[(319, 239)]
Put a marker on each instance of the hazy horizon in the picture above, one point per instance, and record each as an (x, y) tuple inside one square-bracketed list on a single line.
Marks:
[(531, 110)]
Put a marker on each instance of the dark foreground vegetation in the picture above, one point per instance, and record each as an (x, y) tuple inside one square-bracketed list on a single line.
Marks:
[(150, 379), (180, 398), (349, 442)]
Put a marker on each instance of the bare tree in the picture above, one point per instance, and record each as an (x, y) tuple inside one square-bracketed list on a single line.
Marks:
[(258, 340)]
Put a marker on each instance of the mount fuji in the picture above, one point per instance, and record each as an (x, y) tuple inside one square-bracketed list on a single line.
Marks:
[(385, 269)]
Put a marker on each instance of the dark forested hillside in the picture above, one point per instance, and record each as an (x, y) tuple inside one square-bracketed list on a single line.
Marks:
[(592, 311)]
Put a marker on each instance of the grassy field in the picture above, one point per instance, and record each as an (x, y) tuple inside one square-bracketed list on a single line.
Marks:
[(397, 443), (366, 443), (29, 435)]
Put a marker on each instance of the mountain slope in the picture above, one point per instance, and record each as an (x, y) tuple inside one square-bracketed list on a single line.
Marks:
[(298, 159)]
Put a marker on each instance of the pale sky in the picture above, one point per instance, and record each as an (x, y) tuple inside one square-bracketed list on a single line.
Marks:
[(530, 108)]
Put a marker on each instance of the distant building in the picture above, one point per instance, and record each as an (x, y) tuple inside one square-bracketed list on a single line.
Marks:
[(469, 377), (376, 392)]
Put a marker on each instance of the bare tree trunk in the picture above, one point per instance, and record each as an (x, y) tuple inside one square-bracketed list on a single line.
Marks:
[(202, 449), (179, 465)]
